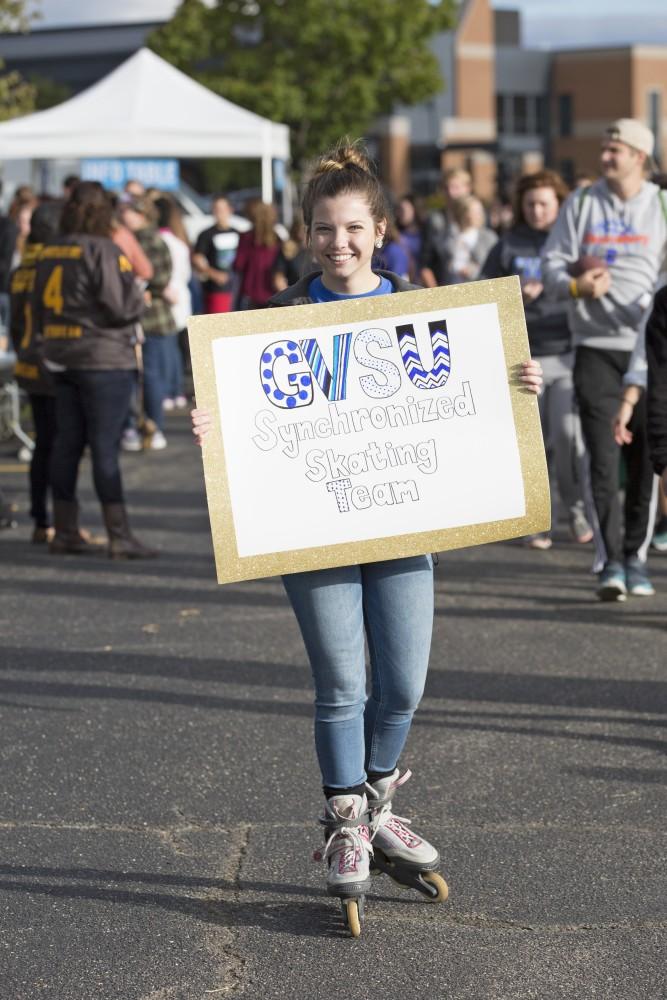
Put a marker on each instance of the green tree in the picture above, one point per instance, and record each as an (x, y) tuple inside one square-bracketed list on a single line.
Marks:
[(324, 67), (16, 96), (16, 15), (48, 92)]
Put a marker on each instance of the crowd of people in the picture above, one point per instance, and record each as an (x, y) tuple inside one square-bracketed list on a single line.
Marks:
[(96, 288)]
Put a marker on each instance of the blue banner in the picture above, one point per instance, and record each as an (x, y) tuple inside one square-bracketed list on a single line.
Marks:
[(114, 174)]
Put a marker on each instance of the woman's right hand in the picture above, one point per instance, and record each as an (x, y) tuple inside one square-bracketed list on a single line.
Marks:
[(201, 424)]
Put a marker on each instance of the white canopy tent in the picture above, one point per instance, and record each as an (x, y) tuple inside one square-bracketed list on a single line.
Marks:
[(147, 108)]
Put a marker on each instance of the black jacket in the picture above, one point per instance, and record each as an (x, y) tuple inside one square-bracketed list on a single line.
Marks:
[(8, 234), (87, 304), (29, 370), (519, 252), (297, 295), (656, 356)]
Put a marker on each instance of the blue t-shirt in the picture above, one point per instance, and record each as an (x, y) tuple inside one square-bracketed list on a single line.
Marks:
[(395, 258), (319, 293)]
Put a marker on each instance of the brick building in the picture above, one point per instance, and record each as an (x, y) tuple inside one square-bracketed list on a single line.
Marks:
[(457, 126), (591, 87), (506, 109)]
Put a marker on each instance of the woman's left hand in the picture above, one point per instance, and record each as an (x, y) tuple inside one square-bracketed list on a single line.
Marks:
[(530, 374)]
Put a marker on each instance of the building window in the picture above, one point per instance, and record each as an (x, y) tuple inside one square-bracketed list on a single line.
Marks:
[(567, 171), (519, 114), (565, 114), (541, 115), (500, 114), (654, 114), (520, 110)]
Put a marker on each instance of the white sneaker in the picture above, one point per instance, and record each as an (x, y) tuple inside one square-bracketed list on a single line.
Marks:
[(180, 402), (158, 441), (131, 440), (168, 404)]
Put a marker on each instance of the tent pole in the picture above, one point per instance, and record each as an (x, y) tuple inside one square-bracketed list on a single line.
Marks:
[(267, 179), (287, 192)]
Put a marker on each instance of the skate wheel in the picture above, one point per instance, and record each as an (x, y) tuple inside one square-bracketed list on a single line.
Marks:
[(436, 887), (353, 915)]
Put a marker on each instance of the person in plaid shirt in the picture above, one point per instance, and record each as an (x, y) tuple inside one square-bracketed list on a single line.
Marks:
[(140, 215)]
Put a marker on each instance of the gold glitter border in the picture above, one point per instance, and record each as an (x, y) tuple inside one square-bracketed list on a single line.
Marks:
[(504, 292)]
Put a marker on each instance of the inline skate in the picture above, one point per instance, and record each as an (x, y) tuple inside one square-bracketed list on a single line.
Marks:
[(347, 853), (408, 859)]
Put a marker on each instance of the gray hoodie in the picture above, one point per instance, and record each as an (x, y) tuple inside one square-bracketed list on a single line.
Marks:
[(630, 237)]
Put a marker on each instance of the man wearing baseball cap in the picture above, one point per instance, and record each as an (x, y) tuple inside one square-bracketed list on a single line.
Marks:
[(603, 255)]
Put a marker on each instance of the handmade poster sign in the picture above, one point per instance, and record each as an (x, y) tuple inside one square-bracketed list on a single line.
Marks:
[(369, 429)]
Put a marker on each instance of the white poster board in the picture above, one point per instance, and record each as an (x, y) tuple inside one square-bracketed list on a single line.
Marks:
[(369, 429)]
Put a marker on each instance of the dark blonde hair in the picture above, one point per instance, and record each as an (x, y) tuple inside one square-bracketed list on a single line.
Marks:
[(462, 207), (264, 219), (144, 205), (539, 179), (345, 169), (170, 216)]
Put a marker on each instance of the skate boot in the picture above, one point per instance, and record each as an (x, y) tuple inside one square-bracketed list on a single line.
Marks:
[(410, 860), (347, 850)]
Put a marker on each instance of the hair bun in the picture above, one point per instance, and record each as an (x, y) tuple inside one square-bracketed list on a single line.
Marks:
[(345, 169), (346, 154)]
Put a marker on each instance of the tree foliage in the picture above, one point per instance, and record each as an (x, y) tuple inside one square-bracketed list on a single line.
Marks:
[(16, 96), (324, 67), (16, 15), (48, 92)]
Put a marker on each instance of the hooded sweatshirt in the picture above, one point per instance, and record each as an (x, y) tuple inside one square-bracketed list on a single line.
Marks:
[(630, 238), (519, 252)]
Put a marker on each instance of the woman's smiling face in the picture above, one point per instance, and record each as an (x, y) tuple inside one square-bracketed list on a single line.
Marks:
[(342, 237)]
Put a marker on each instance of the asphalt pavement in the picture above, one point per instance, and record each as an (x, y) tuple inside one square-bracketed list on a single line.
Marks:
[(159, 790)]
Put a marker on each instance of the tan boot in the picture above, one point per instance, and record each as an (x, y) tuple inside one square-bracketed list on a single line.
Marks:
[(122, 543), (67, 538)]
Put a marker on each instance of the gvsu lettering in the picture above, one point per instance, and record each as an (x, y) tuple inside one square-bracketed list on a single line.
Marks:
[(290, 369)]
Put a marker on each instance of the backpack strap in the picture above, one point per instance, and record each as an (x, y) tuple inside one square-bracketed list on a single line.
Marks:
[(663, 204)]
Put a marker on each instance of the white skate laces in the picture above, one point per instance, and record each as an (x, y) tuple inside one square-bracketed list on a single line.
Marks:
[(391, 831), (348, 845), (381, 811)]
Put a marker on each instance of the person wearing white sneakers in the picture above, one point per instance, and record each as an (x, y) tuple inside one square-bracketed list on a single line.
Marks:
[(172, 231), (140, 215), (603, 257)]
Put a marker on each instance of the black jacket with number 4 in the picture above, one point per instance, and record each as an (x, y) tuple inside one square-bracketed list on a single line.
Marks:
[(87, 304), (29, 370)]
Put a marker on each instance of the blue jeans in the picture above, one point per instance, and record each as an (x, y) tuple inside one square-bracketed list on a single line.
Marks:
[(393, 602), (155, 351), (174, 382)]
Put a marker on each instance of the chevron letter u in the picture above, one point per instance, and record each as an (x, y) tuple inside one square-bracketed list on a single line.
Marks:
[(407, 343)]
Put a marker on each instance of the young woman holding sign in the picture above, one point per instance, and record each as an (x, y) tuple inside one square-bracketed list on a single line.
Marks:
[(359, 738)]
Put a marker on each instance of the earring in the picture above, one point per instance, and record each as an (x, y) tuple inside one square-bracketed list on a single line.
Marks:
[(378, 242)]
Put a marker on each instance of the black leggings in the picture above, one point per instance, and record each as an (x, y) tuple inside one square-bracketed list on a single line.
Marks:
[(598, 383), (91, 408), (44, 420)]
